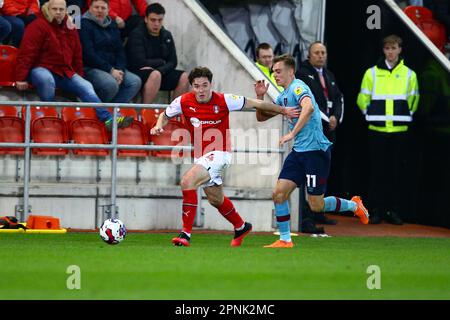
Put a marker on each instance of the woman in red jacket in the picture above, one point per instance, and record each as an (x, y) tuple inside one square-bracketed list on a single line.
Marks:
[(50, 57)]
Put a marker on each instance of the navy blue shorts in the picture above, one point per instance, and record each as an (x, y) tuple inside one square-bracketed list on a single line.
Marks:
[(312, 167)]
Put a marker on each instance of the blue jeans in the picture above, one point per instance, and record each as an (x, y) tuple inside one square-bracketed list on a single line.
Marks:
[(5, 28), (17, 27), (107, 88), (46, 82)]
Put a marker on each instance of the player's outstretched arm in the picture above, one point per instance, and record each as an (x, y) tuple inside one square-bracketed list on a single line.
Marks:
[(270, 107), (264, 115), (160, 124), (305, 114)]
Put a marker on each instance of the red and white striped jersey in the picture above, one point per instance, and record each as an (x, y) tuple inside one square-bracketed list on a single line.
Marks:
[(208, 123)]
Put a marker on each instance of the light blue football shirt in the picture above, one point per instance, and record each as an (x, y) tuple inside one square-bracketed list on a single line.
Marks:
[(311, 137)]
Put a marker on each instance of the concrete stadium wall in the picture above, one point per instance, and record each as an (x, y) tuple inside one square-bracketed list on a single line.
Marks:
[(143, 207)]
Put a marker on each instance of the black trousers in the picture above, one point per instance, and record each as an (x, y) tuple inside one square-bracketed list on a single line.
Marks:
[(387, 153)]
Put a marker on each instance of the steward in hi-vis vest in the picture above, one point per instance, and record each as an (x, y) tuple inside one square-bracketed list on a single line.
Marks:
[(264, 62), (388, 98)]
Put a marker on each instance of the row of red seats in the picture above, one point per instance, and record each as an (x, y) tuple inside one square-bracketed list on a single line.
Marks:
[(82, 127)]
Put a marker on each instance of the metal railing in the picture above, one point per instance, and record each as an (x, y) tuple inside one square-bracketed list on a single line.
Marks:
[(112, 210)]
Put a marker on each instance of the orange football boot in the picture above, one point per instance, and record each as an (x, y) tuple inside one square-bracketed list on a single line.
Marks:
[(361, 211), (280, 244)]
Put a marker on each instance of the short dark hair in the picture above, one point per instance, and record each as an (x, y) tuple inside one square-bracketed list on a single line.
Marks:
[(200, 72), (264, 46), (155, 8), (392, 39), (287, 59), (106, 1)]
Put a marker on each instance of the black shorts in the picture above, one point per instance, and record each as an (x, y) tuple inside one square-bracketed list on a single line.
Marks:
[(169, 81), (312, 167)]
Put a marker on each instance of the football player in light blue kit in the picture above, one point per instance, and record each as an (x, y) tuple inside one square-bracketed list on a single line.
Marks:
[(309, 160)]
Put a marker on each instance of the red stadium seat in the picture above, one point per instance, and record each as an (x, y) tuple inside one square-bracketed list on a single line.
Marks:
[(150, 116), (418, 13), (39, 112), (8, 111), (71, 114), (433, 29), (126, 112), (47, 127), (135, 134), (85, 128), (8, 56), (12, 129), (169, 136), (173, 135)]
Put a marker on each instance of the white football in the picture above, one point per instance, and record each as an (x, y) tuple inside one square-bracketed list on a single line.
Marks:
[(113, 231)]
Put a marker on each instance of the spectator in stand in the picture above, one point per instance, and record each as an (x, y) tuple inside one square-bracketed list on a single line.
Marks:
[(19, 13), (322, 82), (264, 61), (79, 3), (152, 56), (50, 57), (104, 56), (74, 13), (121, 12)]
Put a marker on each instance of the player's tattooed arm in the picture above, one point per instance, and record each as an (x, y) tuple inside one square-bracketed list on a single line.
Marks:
[(270, 107), (264, 115)]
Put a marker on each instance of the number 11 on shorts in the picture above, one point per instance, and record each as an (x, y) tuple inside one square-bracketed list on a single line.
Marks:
[(311, 180)]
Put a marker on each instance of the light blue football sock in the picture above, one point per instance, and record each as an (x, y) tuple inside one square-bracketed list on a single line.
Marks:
[(283, 220), (335, 204)]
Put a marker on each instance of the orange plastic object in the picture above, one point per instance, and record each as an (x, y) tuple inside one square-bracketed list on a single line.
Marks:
[(43, 222)]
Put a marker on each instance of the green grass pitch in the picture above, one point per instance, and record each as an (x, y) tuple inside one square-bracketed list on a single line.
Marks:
[(147, 266)]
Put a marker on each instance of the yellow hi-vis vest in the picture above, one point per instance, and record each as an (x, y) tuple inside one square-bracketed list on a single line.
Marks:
[(389, 98), (269, 75)]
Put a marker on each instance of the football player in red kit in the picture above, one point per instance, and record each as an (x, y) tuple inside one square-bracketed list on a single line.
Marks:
[(207, 117)]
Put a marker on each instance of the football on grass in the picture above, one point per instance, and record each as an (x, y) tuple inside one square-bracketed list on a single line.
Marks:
[(113, 231)]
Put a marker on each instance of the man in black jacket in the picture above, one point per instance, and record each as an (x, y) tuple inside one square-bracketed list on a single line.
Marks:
[(330, 100), (324, 87), (152, 56)]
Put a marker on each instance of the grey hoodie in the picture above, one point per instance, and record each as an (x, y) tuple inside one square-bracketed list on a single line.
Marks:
[(104, 24)]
